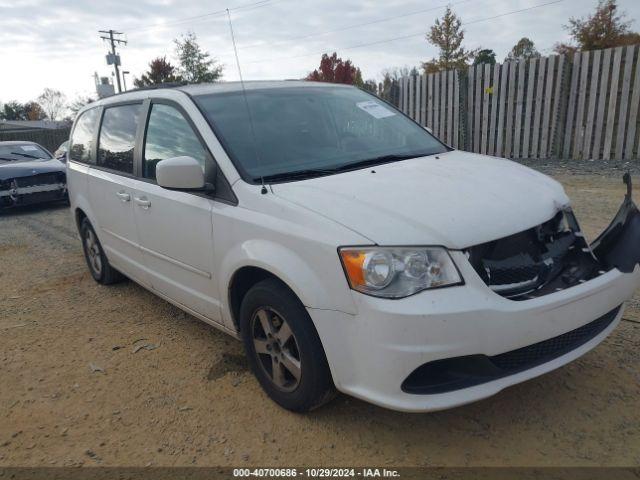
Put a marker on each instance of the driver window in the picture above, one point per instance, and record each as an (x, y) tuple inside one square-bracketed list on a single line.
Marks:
[(169, 135)]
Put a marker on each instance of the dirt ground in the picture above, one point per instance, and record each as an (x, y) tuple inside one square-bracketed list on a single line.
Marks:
[(74, 391)]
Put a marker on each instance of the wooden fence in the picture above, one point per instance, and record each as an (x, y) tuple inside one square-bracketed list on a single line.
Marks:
[(585, 107)]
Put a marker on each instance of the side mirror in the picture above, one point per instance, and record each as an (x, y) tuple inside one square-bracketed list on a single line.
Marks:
[(429, 130), (180, 173)]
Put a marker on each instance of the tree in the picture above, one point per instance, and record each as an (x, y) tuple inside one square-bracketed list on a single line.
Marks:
[(606, 28), (52, 102), (525, 49), (565, 49), (160, 71), (13, 111), (371, 86), (335, 70), (196, 65), (78, 104), (447, 34), (486, 55), (34, 111)]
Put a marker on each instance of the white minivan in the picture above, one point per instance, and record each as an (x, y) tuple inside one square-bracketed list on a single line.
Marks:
[(344, 244)]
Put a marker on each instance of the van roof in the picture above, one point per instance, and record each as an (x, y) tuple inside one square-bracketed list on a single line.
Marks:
[(223, 87), (210, 88)]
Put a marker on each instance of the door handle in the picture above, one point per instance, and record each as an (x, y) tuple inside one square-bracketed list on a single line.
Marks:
[(143, 202), (123, 196)]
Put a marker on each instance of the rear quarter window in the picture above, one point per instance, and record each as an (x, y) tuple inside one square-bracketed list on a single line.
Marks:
[(81, 148)]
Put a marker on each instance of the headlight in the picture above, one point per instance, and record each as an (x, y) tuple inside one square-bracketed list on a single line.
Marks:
[(396, 272)]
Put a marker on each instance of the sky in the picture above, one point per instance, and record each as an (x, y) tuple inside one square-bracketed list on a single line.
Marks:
[(56, 44)]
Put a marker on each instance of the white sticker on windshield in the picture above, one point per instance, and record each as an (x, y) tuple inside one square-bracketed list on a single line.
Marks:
[(374, 109), (29, 148)]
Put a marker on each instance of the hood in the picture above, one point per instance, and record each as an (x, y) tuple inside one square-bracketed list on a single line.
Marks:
[(28, 167), (455, 199)]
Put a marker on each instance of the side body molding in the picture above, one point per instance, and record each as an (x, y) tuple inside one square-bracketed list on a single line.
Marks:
[(619, 245)]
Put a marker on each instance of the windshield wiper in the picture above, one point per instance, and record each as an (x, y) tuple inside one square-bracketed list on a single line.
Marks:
[(318, 172), (296, 175), (27, 155), (378, 160)]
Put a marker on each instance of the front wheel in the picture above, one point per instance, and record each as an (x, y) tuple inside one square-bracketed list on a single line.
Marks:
[(283, 347)]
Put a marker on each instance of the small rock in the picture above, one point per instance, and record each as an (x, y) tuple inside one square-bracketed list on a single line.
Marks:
[(146, 346), (93, 455), (95, 368), (184, 409), (235, 381)]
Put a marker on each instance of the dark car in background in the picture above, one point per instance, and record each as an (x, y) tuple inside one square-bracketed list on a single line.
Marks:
[(30, 174)]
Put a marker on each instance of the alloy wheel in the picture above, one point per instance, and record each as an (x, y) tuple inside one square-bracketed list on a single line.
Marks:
[(276, 348), (93, 251)]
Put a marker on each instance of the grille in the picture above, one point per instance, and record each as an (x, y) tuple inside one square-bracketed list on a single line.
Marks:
[(41, 179), (506, 276), (538, 353), (450, 374)]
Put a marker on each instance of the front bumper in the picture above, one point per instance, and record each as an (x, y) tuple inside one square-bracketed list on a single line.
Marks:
[(372, 353), (17, 196)]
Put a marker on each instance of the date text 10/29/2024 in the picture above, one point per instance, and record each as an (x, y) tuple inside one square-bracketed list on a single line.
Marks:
[(316, 472)]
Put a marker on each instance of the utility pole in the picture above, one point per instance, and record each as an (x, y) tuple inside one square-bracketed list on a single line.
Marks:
[(116, 59)]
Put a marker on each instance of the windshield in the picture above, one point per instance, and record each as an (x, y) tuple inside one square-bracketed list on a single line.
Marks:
[(305, 131), (22, 152)]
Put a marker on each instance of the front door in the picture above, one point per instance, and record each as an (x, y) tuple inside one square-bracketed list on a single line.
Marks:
[(175, 227)]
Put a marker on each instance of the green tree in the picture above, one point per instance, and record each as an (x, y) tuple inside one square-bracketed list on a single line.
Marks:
[(447, 34), (13, 110), (371, 86), (525, 49), (486, 55), (160, 71), (196, 65), (606, 28)]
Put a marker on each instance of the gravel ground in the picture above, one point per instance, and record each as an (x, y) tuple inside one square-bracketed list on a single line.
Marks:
[(76, 390)]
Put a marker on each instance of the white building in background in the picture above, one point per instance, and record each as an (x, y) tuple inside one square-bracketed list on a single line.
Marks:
[(104, 86)]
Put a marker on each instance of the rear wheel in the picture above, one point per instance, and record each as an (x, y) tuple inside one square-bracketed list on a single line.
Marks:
[(284, 350), (101, 271)]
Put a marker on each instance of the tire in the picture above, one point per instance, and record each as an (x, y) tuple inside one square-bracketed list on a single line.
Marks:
[(272, 301), (99, 266)]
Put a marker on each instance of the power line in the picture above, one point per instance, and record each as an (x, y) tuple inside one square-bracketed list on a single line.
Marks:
[(405, 37), (349, 27), (217, 13)]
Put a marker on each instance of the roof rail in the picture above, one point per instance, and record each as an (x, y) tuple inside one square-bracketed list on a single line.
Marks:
[(158, 86)]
